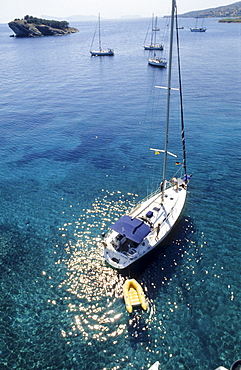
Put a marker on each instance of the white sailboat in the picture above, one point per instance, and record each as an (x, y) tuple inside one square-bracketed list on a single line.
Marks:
[(157, 61), (100, 51), (148, 224), (153, 44), (198, 29)]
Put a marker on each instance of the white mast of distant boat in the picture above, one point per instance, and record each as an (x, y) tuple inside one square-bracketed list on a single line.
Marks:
[(99, 32), (152, 27)]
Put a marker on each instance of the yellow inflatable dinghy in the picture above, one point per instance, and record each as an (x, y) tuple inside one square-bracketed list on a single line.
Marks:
[(134, 295)]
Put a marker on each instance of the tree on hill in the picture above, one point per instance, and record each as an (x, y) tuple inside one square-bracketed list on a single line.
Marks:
[(51, 23)]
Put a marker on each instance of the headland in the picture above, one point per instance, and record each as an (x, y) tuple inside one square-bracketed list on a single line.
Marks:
[(34, 27)]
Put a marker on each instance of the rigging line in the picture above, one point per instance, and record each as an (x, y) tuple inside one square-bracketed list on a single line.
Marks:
[(147, 33), (168, 94), (165, 31), (156, 107), (181, 100), (93, 37)]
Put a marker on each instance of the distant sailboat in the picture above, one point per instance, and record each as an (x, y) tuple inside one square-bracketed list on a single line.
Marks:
[(198, 29), (157, 61), (153, 44), (100, 52)]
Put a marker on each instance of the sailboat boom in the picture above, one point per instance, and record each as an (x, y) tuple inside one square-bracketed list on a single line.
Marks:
[(165, 87), (163, 151)]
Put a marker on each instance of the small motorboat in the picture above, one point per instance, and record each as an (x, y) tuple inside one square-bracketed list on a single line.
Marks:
[(134, 295)]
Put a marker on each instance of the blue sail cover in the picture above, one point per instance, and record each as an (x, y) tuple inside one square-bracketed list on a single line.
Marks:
[(131, 228)]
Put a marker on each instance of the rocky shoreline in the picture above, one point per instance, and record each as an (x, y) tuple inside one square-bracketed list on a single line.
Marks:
[(22, 28), (230, 20)]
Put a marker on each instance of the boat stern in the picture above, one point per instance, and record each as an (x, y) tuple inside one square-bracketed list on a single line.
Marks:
[(115, 259)]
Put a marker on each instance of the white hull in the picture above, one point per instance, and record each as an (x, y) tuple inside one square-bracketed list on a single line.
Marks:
[(100, 53), (153, 47), (121, 253), (198, 29), (157, 62), (155, 366)]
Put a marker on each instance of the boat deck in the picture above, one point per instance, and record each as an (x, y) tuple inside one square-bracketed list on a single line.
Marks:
[(160, 213)]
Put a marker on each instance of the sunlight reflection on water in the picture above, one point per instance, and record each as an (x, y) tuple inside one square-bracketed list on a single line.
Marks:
[(95, 311), (93, 288)]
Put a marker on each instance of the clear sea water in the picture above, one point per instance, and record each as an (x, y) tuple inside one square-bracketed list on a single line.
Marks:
[(75, 137)]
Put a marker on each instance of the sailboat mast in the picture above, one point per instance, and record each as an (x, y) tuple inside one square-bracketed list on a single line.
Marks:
[(152, 27), (168, 96), (181, 100), (99, 33), (155, 30)]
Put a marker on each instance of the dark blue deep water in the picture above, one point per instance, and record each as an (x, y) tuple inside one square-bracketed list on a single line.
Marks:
[(74, 155)]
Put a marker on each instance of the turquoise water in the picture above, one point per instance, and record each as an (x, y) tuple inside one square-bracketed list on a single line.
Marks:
[(75, 138)]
